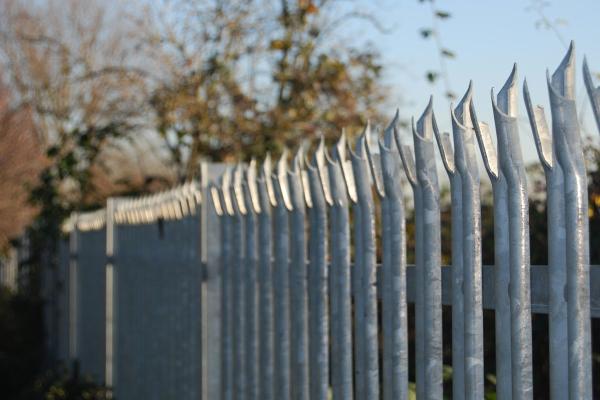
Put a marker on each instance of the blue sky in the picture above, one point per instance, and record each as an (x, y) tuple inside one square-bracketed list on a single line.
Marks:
[(487, 37)]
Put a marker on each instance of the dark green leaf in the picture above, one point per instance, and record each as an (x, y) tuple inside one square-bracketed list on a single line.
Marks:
[(426, 32), (448, 53), (442, 14), (431, 76)]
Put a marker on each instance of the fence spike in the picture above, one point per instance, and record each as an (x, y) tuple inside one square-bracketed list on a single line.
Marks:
[(374, 161), (593, 92), (341, 150), (282, 180), (225, 190), (320, 162), (562, 81), (251, 176), (266, 172), (406, 156), (486, 145), (238, 192)]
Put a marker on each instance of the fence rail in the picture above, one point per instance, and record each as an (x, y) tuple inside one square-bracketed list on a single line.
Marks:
[(263, 282)]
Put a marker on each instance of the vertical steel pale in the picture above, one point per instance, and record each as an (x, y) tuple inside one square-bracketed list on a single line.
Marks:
[(250, 284), (510, 162), (430, 251), (563, 160), (298, 284), (366, 267), (318, 274), (281, 283), (466, 166), (394, 307), (237, 307), (458, 317), (340, 280), (265, 282)]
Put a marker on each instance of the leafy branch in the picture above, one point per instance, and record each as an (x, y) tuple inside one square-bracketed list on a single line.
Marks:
[(444, 54)]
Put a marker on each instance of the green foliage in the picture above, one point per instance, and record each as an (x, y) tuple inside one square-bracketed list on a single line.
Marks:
[(22, 356), (21, 342), (60, 385)]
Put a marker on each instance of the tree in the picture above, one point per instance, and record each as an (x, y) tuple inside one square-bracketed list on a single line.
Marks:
[(72, 66), (238, 78), (21, 160)]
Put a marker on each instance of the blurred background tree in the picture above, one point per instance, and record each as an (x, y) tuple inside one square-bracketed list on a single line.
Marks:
[(235, 79)]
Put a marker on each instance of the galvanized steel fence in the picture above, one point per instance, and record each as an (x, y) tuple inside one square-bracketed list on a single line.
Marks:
[(264, 283)]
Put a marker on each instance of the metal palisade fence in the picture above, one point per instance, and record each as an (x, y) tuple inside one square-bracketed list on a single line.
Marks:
[(262, 282)]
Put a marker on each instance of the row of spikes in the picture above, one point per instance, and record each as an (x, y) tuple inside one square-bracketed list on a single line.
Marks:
[(88, 221), (561, 86), (172, 204)]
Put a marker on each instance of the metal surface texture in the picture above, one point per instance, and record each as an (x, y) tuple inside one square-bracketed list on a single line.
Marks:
[(428, 258), (393, 271), (466, 167), (281, 280), (365, 264), (225, 211), (318, 275), (237, 288), (250, 280), (265, 282), (561, 154), (340, 277), (298, 281), (510, 162)]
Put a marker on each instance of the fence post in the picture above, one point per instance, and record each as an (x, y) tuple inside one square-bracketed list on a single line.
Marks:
[(250, 275), (224, 210), (394, 308), (513, 170), (569, 154), (266, 197), (298, 283), (357, 273), (466, 168), (410, 170), (318, 274), (458, 298), (210, 270), (237, 313), (281, 282), (365, 265), (429, 271), (339, 278), (111, 298)]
